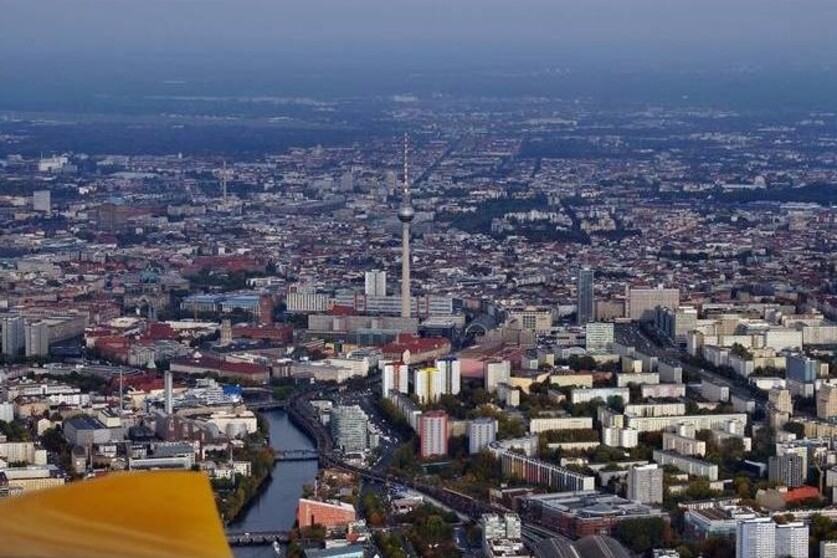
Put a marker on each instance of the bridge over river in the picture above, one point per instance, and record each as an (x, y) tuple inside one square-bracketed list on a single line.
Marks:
[(257, 538), (297, 455)]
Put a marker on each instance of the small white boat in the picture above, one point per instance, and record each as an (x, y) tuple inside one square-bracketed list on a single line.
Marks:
[(277, 548)]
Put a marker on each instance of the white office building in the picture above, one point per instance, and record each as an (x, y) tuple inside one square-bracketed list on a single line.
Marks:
[(375, 283), (828, 549), (645, 484), (496, 373), (502, 536), (36, 339), (428, 384), (643, 302), (598, 336), (507, 526), (42, 201), (395, 378), (755, 538), (350, 428), (792, 540), (450, 368), (12, 335), (481, 432)]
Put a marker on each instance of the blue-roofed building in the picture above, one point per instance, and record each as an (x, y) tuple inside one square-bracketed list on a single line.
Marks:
[(232, 391)]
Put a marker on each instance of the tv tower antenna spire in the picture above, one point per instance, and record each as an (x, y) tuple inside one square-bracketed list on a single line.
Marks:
[(224, 180), (405, 215), (406, 168)]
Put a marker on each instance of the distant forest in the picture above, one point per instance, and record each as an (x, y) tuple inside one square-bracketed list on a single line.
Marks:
[(239, 141), (813, 193)]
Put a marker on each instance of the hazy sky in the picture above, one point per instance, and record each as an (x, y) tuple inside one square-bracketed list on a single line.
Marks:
[(76, 53), (417, 30)]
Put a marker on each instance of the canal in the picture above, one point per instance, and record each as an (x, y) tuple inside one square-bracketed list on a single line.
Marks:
[(275, 507)]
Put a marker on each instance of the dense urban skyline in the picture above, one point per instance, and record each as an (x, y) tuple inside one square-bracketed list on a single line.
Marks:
[(420, 279)]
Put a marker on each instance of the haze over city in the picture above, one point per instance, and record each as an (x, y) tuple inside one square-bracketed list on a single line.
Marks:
[(470, 47)]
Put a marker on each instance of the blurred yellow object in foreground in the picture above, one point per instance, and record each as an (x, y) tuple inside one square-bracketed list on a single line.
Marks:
[(127, 515)]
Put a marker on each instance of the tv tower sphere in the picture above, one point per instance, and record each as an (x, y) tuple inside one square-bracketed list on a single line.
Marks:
[(406, 213)]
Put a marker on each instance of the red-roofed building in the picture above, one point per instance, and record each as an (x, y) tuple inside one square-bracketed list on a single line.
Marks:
[(159, 331), (342, 310), (244, 371), (413, 349), (226, 263), (801, 493), (111, 346), (278, 334), (328, 514), (146, 382)]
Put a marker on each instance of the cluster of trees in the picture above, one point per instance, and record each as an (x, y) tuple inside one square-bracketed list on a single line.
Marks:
[(569, 435), (454, 405), (87, 383), (301, 538), (698, 489), (54, 442), (373, 509), (391, 545), (15, 431), (282, 388), (739, 350), (536, 401), (480, 221), (579, 363), (727, 455), (642, 534), (821, 529), (391, 413), (431, 532), (711, 547), (764, 446), (474, 475), (405, 460), (812, 193), (507, 426), (232, 500)]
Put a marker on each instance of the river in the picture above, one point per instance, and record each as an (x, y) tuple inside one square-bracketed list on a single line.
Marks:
[(275, 507)]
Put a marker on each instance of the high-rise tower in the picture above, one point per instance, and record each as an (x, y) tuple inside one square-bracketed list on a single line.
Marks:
[(405, 215), (586, 302), (167, 388)]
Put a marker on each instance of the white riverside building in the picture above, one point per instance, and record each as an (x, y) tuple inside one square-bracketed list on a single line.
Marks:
[(350, 428)]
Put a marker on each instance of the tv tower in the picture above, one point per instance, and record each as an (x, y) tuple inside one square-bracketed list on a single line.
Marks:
[(224, 182), (405, 215)]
